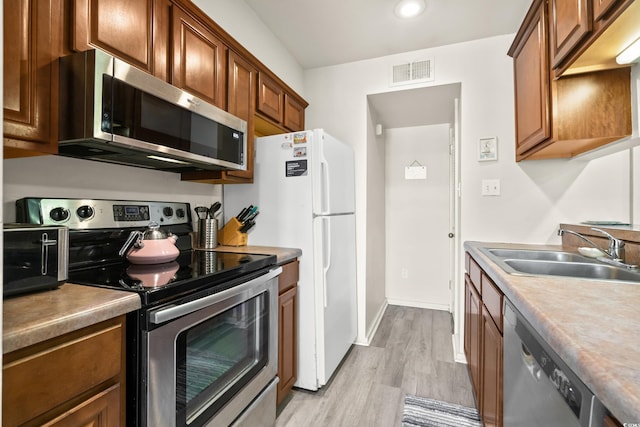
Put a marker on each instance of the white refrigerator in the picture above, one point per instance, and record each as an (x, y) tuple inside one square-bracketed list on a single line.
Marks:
[(304, 188)]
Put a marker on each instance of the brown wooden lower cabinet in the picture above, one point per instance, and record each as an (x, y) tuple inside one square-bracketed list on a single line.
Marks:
[(473, 333), (75, 379), (483, 341), (287, 328), (491, 375)]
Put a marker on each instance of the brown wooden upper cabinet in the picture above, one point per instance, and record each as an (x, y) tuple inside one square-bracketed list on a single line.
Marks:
[(136, 31), (551, 120), (293, 113), (199, 59), (241, 102), (278, 105), (601, 8), (570, 22), (29, 97), (270, 98), (171, 39), (532, 81)]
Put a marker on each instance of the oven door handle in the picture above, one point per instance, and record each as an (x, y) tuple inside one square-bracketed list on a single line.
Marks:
[(175, 311)]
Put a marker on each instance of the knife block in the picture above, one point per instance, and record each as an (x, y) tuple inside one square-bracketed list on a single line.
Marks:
[(230, 234)]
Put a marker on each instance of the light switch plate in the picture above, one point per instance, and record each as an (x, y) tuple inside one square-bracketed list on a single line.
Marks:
[(490, 187)]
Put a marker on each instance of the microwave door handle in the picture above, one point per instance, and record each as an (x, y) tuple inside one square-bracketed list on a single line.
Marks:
[(44, 255), (175, 311)]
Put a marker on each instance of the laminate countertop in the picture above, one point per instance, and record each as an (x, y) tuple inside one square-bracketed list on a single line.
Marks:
[(283, 255), (594, 326), (36, 317)]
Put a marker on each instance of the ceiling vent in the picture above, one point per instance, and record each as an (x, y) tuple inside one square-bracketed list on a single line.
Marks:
[(412, 72)]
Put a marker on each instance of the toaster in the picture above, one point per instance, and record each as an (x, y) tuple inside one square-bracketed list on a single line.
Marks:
[(36, 257)]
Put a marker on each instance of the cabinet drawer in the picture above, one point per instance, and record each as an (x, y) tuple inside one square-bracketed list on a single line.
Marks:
[(289, 276), (475, 273), (48, 374), (492, 299)]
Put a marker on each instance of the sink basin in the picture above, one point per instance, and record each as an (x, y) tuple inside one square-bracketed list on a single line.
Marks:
[(558, 263), (540, 255), (596, 271)]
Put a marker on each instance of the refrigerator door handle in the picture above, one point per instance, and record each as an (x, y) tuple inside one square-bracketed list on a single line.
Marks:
[(326, 255), (324, 173)]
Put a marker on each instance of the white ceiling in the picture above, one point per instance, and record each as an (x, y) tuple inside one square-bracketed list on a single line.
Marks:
[(329, 32)]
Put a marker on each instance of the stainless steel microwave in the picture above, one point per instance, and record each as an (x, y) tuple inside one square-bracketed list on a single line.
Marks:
[(35, 258), (113, 112)]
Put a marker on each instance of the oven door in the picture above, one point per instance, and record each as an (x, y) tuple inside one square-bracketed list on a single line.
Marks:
[(211, 357)]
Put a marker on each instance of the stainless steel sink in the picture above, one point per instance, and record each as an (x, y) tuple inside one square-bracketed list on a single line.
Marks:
[(597, 271), (539, 255), (558, 263)]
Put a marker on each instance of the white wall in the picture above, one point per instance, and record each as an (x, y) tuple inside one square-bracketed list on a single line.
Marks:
[(53, 176), (417, 217), (242, 23), (374, 298), (536, 195)]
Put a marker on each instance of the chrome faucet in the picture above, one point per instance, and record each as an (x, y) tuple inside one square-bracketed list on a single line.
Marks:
[(614, 255)]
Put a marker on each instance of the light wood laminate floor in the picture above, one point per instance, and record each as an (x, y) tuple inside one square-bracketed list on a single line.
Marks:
[(411, 353)]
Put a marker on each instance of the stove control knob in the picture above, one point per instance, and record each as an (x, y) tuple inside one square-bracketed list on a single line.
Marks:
[(167, 211), (59, 214), (85, 212), (180, 213)]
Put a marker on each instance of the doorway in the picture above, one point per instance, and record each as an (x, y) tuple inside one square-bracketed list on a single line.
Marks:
[(420, 129)]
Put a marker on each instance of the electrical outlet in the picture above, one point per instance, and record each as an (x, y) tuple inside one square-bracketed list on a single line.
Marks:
[(404, 273), (490, 187)]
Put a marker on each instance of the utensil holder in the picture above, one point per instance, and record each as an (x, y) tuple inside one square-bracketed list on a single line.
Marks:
[(208, 233), (230, 234)]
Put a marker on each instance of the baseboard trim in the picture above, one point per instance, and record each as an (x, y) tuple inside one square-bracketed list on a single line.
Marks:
[(458, 353), (374, 327), (419, 304)]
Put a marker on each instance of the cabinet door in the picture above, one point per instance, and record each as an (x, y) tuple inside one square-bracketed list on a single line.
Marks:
[(241, 101), (601, 7), (199, 59), (101, 410), (570, 22), (124, 28), (30, 99), (467, 317), (491, 401), (270, 98), (31, 377), (475, 339), (293, 114), (287, 341), (532, 83)]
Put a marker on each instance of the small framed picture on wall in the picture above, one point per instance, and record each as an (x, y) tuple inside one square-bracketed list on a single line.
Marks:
[(488, 149)]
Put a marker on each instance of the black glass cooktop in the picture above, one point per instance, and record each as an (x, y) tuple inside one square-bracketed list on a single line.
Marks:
[(192, 271)]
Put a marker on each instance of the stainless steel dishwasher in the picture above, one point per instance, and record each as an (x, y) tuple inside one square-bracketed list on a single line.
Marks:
[(539, 388)]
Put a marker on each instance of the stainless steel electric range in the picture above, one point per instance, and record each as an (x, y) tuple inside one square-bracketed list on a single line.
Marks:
[(202, 350)]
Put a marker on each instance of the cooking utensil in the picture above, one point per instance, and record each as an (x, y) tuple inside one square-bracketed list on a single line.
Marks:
[(251, 217), (214, 208), (244, 213), (152, 246), (201, 211)]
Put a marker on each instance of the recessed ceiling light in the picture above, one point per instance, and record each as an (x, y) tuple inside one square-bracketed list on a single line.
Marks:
[(409, 8)]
